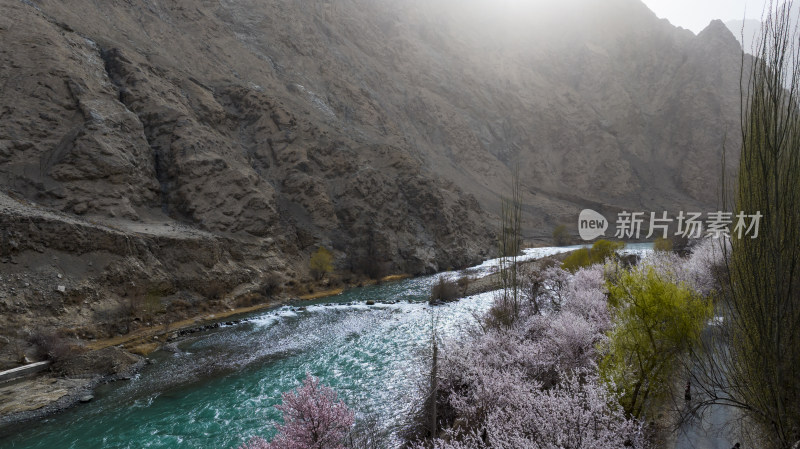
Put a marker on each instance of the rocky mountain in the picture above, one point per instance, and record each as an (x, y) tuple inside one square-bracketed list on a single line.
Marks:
[(745, 31), (162, 148)]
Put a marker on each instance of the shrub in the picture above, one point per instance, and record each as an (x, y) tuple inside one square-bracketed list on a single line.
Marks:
[(248, 300), (604, 249), (598, 253), (370, 258), (502, 311), (321, 262), (555, 284), (272, 285), (152, 304), (561, 235), (585, 295), (532, 284), (662, 244), (53, 345), (705, 268), (179, 305), (444, 290), (577, 259)]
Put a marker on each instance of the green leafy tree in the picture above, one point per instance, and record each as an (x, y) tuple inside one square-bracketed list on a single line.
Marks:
[(604, 249), (577, 259), (598, 253), (321, 262), (654, 322)]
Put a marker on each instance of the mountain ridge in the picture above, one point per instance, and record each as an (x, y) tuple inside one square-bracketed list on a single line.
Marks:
[(386, 131)]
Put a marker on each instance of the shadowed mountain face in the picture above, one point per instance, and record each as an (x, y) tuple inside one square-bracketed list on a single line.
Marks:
[(383, 129)]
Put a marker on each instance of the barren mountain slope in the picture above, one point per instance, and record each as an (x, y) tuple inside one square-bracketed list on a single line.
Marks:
[(228, 139)]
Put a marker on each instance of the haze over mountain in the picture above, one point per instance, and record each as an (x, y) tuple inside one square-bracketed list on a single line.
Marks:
[(695, 15), (202, 146), (745, 32)]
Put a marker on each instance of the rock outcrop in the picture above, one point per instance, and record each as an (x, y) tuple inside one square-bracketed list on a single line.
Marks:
[(187, 149)]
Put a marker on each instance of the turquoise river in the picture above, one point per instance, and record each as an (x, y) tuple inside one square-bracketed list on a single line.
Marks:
[(220, 388)]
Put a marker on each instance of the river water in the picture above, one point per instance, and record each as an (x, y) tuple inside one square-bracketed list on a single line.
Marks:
[(220, 388)]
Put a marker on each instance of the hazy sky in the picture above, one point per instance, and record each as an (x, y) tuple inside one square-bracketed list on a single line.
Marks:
[(696, 14)]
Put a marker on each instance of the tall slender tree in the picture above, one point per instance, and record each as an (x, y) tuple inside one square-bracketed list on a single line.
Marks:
[(510, 245), (752, 360)]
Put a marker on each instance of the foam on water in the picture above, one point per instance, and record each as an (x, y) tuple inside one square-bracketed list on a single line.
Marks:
[(221, 387)]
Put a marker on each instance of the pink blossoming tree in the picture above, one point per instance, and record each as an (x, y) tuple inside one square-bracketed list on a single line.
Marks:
[(313, 418)]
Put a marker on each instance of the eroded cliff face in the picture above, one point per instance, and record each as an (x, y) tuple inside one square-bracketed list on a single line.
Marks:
[(96, 128), (198, 149)]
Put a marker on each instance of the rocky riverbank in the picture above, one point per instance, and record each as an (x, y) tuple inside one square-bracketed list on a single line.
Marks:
[(72, 380), (119, 357), (68, 383)]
